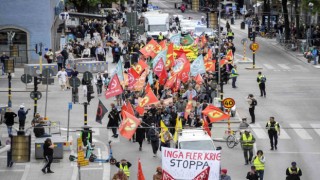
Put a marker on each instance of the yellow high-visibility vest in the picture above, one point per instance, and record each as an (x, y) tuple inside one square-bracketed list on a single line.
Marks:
[(247, 141), (125, 169), (258, 164)]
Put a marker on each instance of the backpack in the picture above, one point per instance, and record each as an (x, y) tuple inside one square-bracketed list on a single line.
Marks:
[(116, 49), (263, 79), (254, 102)]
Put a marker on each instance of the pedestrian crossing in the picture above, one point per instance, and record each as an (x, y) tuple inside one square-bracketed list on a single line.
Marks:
[(288, 131), (285, 67)]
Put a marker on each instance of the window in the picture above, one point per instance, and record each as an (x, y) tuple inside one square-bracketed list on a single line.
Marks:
[(20, 37)]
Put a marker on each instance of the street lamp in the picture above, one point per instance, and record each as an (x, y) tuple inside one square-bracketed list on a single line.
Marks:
[(310, 5)]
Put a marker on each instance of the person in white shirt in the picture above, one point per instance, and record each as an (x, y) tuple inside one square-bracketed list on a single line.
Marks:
[(99, 80), (62, 77), (86, 52)]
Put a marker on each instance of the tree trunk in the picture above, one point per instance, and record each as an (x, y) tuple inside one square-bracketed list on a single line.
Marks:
[(286, 19), (296, 11), (265, 11)]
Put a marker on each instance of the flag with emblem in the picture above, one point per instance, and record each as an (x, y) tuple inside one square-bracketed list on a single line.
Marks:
[(205, 125), (223, 62), (148, 88), (162, 55), (187, 40), (210, 65), (229, 55), (163, 44), (159, 67), (171, 80), (204, 175), (175, 39), (139, 85), (127, 107), (151, 49), (208, 56), (214, 113), (140, 172), (149, 98), (114, 87), (140, 66), (176, 86), (163, 76), (170, 56), (178, 128), (198, 79), (188, 107), (133, 77), (101, 111), (128, 125), (182, 68), (197, 66), (203, 41)]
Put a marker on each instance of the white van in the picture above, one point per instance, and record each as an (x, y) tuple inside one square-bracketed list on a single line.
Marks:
[(156, 22), (195, 139)]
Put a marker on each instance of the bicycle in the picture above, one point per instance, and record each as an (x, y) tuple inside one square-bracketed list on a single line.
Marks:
[(232, 140)]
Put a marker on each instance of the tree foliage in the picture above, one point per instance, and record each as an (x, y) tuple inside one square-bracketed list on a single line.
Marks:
[(316, 5), (84, 5)]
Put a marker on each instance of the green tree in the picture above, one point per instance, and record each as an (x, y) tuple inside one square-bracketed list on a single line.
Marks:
[(85, 5), (286, 19)]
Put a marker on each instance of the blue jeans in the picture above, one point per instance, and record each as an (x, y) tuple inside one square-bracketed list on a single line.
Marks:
[(261, 173), (2, 68), (9, 130)]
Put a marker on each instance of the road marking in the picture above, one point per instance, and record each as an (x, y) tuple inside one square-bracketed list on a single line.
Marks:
[(268, 66), (283, 66), (284, 134), (301, 67), (88, 168), (278, 152), (316, 128), (303, 134), (99, 156), (11, 170), (26, 172), (259, 131)]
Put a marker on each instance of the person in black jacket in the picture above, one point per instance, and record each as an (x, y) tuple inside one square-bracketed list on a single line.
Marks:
[(140, 136), (9, 117), (48, 155), (22, 114), (114, 119), (65, 55), (153, 133), (252, 174)]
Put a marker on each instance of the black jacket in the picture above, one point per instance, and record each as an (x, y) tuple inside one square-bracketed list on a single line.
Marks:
[(9, 117), (113, 118), (252, 176)]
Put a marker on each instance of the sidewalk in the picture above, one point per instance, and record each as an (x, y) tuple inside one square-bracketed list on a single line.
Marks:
[(297, 54)]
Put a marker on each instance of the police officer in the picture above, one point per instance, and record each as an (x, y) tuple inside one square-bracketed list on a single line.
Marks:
[(247, 140), (261, 79), (293, 172), (234, 75), (160, 37), (273, 131), (230, 35)]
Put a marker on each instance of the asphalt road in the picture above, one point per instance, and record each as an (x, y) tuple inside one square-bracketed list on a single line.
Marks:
[(292, 98)]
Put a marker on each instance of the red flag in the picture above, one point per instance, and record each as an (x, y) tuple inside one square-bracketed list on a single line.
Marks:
[(149, 98), (140, 172), (133, 77), (176, 86), (188, 107), (204, 175), (203, 41), (159, 67), (140, 67), (215, 114), (127, 107), (208, 56), (196, 41), (229, 55), (151, 49), (166, 176), (171, 81), (210, 65), (163, 44), (128, 125), (163, 77), (182, 68), (148, 88), (170, 57), (205, 126), (114, 87), (198, 79), (223, 61)]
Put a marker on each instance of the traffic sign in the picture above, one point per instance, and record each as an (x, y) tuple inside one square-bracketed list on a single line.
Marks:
[(87, 76), (47, 72), (35, 95), (254, 46), (75, 82), (64, 16), (26, 78), (244, 40), (228, 102)]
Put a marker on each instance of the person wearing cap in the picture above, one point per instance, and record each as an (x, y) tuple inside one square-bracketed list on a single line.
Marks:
[(124, 165), (120, 175), (273, 132), (252, 174), (22, 114), (293, 172), (258, 162), (9, 120), (252, 104), (243, 125), (261, 79), (158, 175), (247, 140), (234, 74), (224, 175)]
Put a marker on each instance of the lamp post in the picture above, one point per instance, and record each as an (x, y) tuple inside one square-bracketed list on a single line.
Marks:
[(308, 32)]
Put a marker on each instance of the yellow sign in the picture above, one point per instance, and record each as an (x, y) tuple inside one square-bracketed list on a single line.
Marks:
[(228, 102), (254, 46)]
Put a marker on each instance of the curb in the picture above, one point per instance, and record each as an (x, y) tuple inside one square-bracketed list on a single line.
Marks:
[(219, 140)]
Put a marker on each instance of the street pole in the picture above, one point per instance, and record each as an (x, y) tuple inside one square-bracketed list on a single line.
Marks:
[(45, 107), (9, 90), (69, 108), (35, 90), (254, 52), (85, 104), (219, 56)]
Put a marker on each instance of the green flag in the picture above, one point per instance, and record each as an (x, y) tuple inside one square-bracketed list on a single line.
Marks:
[(187, 40)]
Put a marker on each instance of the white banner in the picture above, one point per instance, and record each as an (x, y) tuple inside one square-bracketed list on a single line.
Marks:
[(187, 164)]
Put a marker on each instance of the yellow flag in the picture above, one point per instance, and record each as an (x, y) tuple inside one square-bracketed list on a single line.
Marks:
[(177, 128), (163, 126)]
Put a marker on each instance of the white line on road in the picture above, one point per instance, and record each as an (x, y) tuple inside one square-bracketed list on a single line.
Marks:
[(259, 131), (284, 134), (303, 134), (26, 172), (88, 168), (11, 170), (277, 152), (301, 67), (283, 66), (99, 155), (96, 131), (268, 66), (316, 128)]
